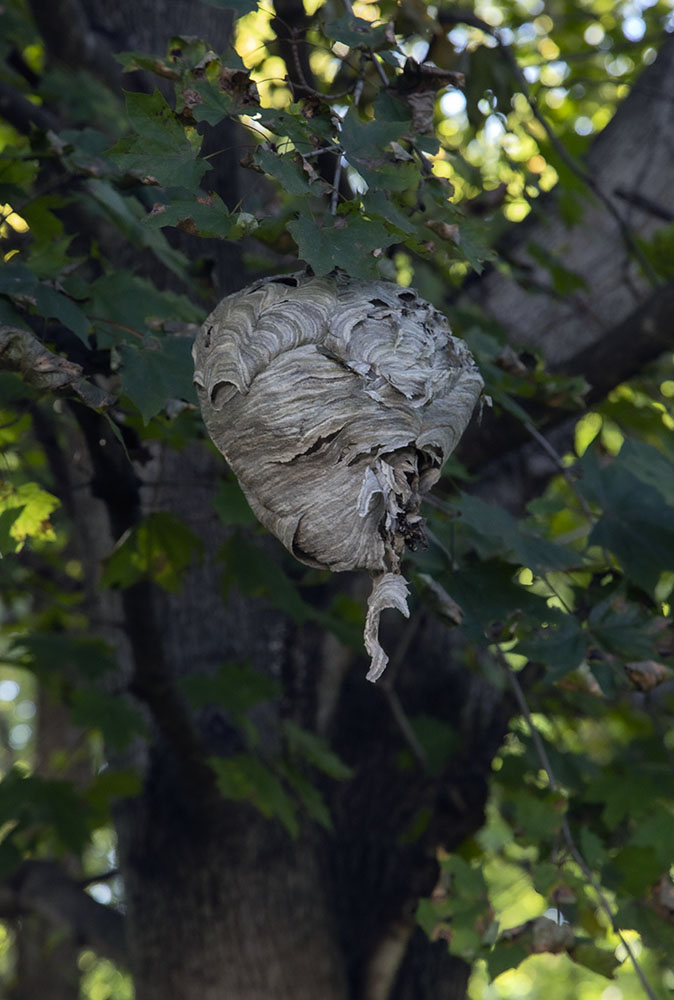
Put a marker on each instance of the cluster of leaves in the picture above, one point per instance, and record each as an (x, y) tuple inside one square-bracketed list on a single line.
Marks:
[(578, 590), (304, 148), (578, 594), (274, 784)]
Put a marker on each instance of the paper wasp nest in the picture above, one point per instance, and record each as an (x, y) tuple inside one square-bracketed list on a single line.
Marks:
[(336, 401)]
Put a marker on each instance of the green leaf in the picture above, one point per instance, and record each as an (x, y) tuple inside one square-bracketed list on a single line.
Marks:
[(350, 246), (357, 33), (286, 168), (132, 61), (468, 906), (9, 316), (315, 751), (361, 138), (216, 104), (10, 857), (473, 244), (539, 814), (160, 153), (294, 125), (132, 219), (8, 542), (35, 507), (49, 302), (15, 279), (52, 807), (236, 687), (206, 215), (108, 786), (599, 960), (429, 914), (54, 653), (505, 955), (637, 867), (593, 848), (487, 593), (654, 831), (308, 795), (650, 465), (246, 778), (124, 306), (256, 574), (623, 793), (564, 281), (496, 531), (376, 203), (151, 116), (559, 644), (438, 739), (160, 548), (159, 370), (621, 628), (231, 505), (365, 146), (636, 524), (116, 718), (158, 163)]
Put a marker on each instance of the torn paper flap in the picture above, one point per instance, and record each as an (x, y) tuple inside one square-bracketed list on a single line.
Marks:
[(388, 591)]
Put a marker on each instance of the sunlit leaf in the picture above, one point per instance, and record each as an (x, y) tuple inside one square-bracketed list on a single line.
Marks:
[(35, 505)]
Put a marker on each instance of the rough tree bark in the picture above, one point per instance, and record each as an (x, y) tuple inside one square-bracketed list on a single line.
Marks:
[(620, 318), (221, 902)]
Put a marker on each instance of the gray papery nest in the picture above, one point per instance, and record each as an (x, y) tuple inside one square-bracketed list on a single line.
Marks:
[(336, 402)]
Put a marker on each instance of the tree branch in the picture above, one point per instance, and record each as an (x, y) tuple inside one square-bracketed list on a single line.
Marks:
[(20, 113), (22, 352), (501, 443), (602, 331), (43, 887)]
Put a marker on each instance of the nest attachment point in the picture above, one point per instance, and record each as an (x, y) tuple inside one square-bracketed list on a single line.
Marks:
[(336, 402)]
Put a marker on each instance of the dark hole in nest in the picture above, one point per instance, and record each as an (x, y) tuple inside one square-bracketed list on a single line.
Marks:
[(320, 443), (290, 282), (407, 296), (378, 302)]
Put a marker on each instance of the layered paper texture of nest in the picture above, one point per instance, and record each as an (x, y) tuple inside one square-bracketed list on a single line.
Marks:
[(336, 401)]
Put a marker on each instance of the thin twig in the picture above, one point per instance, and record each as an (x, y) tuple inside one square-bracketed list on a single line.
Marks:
[(118, 326), (334, 197), (566, 830), (386, 686), (403, 723), (380, 69), (336, 180), (564, 469)]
